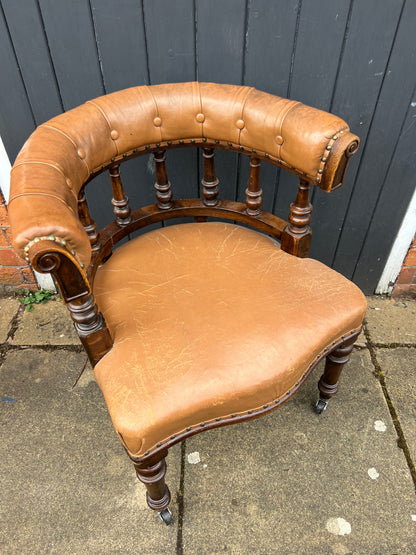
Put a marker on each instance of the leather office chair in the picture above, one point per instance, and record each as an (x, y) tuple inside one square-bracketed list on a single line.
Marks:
[(202, 324)]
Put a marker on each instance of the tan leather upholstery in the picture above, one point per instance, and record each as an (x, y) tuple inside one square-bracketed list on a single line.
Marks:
[(66, 151), (209, 320)]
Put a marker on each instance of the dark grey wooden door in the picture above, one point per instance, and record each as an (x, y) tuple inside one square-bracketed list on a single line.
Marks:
[(354, 58)]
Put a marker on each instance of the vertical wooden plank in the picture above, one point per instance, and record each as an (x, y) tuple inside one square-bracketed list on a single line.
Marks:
[(16, 117), (314, 71), (365, 58), (122, 53), (378, 151), (270, 36), (170, 32), (220, 45), (32, 52), (121, 43), (70, 34), (394, 199)]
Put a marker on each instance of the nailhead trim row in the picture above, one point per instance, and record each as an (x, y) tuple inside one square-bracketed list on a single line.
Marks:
[(258, 409), (313, 178), (46, 238)]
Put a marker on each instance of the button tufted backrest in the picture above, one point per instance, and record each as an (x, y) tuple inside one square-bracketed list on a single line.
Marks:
[(70, 149)]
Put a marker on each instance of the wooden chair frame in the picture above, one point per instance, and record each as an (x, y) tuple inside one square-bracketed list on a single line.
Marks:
[(50, 254)]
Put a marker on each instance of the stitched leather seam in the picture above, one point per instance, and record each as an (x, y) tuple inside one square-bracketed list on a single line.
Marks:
[(69, 139), (243, 105), (200, 108), (41, 195), (57, 168), (157, 109), (107, 120)]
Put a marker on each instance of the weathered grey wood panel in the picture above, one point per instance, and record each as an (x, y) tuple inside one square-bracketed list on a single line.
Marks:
[(354, 58)]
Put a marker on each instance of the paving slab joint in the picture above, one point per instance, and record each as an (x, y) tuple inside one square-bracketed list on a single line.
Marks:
[(401, 440), (14, 324)]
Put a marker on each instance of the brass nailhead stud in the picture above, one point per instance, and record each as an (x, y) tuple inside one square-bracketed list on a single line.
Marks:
[(81, 153), (279, 139), (230, 144), (202, 424), (169, 143), (335, 137), (73, 252), (265, 406), (266, 155), (114, 134), (200, 118), (159, 445), (320, 171), (328, 147), (218, 419), (204, 139), (233, 415), (192, 141), (103, 167), (157, 122), (240, 124), (181, 142), (249, 412), (188, 429), (323, 159), (157, 144), (112, 159)]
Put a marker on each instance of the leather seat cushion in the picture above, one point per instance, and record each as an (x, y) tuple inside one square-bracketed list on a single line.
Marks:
[(209, 320)]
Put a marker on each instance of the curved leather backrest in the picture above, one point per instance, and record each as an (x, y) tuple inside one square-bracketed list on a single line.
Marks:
[(63, 153)]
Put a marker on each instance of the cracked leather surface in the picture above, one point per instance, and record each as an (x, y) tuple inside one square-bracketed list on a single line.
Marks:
[(211, 319)]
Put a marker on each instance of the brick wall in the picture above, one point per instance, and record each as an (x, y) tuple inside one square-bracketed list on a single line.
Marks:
[(405, 285), (15, 274)]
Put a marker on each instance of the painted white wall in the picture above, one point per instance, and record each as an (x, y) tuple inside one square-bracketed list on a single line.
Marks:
[(399, 249), (5, 167), (45, 281)]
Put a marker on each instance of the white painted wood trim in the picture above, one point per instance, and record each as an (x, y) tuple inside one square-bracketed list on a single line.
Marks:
[(399, 249), (45, 281), (5, 168)]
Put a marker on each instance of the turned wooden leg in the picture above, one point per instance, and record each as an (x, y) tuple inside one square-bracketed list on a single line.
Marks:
[(328, 384), (152, 475)]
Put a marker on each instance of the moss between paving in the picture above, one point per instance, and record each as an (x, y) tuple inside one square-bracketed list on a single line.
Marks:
[(399, 369), (391, 322), (272, 485), (8, 310), (47, 324)]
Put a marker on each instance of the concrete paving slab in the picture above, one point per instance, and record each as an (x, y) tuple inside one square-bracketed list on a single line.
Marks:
[(66, 484), (278, 484), (391, 322), (47, 324), (8, 310), (399, 369)]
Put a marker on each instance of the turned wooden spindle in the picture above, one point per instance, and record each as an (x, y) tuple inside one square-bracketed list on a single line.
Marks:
[(88, 223), (120, 200), (153, 477), (209, 182), (162, 185), (296, 237), (254, 193)]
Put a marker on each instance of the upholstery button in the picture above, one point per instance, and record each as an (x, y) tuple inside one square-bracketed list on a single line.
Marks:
[(279, 140), (200, 118), (81, 153), (157, 122), (114, 134), (240, 123)]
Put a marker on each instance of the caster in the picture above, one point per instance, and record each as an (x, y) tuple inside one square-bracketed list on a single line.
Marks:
[(321, 406), (166, 516)]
